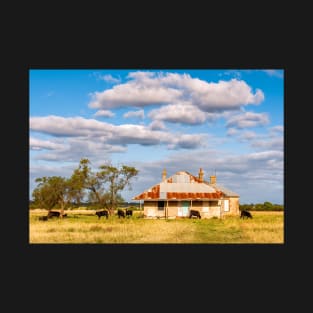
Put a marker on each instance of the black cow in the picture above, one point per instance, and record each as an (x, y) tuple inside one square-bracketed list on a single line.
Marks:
[(53, 214), (120, 213), (246, 214), (43, 218), (102, 213), (194, 213), (129, 212)]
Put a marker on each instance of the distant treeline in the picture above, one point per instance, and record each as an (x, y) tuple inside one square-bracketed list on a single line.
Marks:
[(92, 206), (266, 206)]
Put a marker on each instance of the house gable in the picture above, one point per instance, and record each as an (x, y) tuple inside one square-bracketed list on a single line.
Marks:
[(181, 185)]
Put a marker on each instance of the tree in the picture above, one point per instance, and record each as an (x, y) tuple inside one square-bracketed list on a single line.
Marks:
[(116, 179), (106, 184), (52, 191), (268, 206), (77, 182)]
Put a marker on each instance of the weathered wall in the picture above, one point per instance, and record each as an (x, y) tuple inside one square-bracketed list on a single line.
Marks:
[(233, 206), (150, 209), (207, 209), (172, 208)]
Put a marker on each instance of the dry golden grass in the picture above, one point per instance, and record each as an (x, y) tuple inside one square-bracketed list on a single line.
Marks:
[(82, 226), (266, 227)]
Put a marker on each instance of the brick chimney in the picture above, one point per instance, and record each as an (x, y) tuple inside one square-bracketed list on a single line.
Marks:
[(201, 175), (164, 175), (213, 179)]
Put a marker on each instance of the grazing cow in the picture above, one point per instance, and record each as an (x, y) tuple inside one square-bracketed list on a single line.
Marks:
[(194, 213), (102, 213), (129, 212), (43, 218), (246, 214), (53, 214), (120, 213)]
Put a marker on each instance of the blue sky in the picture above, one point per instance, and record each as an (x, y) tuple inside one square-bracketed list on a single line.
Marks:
[(229, 122)]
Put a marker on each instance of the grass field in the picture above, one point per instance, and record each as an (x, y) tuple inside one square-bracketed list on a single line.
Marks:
[(83, 227)]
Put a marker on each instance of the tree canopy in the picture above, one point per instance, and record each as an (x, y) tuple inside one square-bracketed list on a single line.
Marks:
[(52, 191), (102, 187)]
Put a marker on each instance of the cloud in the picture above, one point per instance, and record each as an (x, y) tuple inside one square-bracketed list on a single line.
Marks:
[(276, 143), (269, 154), (248, 135), (139, 134), (272, 140), (93, 130), (233, 73), (275, 73), (248, 119), (67, 127), (157, 125), (148, 88), (107, 78), (37, 144), (179, 113), (75, 148), (104, 113), (277, 129), (139, 113), (136, 93), (232, 132)]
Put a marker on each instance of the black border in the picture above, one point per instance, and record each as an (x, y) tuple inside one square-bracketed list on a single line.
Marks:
[(243, 266)]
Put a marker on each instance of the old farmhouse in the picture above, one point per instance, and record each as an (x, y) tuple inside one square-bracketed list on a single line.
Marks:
[(175, 196)]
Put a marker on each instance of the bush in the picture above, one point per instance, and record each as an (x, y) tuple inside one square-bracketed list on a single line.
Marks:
[(266, 206), (133, 208)]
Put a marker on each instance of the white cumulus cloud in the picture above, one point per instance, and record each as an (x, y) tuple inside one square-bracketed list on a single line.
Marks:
[(139, 113), (157, 125), (92, 130), (150, 88), (248, 119), (179, 113), (37, 144), (104, 113)]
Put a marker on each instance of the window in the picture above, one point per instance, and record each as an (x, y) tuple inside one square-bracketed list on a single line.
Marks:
[(161, 205), (213, 203), (226, 205), (205, 206)]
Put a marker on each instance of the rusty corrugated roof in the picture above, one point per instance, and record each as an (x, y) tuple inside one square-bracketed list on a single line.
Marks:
[(226, 191), (181, 185)]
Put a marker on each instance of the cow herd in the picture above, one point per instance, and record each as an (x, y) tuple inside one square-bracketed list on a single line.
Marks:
[(105, 213), (128, 213), (120, 213), (244, 214), (196, 214)]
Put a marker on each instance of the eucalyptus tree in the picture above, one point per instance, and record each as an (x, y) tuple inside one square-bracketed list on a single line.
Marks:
[(106, 184), (51, 192)]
